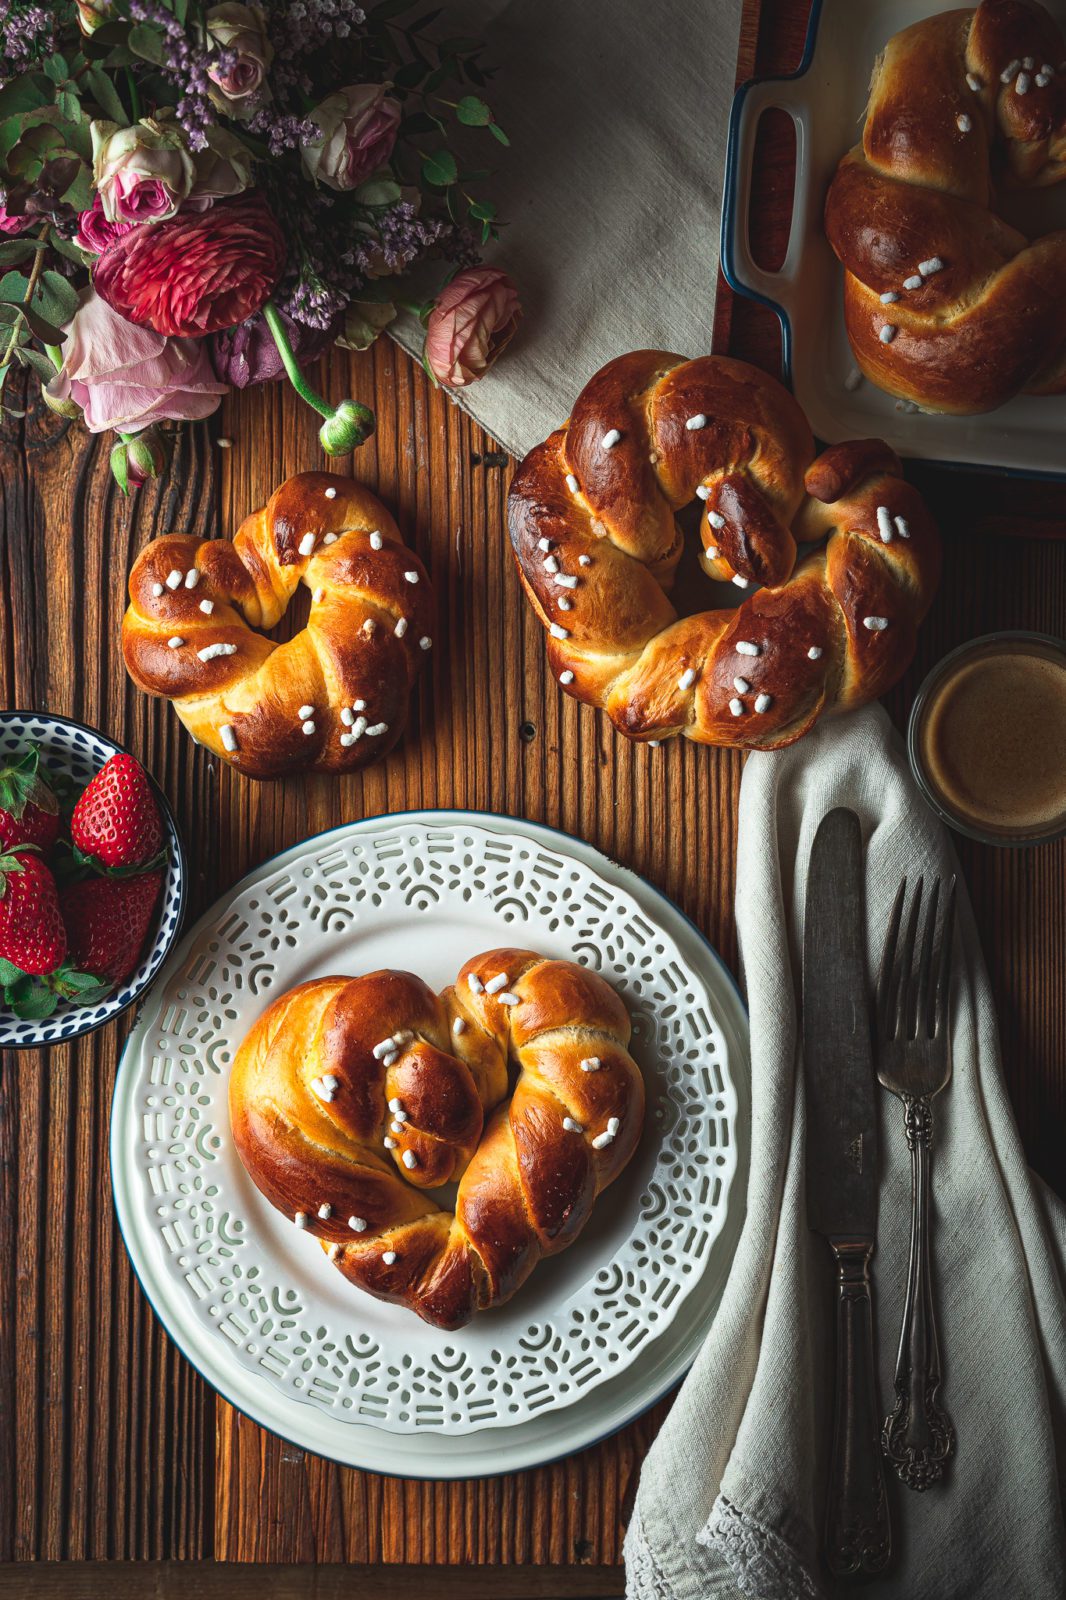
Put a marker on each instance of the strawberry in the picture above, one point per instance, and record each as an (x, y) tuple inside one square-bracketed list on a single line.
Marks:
[(31, 928), (29, 810), (107, 921), (116, 822)]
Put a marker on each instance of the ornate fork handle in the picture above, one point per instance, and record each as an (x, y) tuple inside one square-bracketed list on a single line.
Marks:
[(918, 1436)]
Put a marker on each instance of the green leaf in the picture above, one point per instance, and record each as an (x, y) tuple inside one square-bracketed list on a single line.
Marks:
[(31, 1000), (498, 133), (41, 364), (420, 122), (9, 973), (22, 94), (79, 194), (70, 105), (56, 68), (38, 326), (410, 75), (483, 211), (378, 192), (72, 251), (13, 250), (439, 169), (472, 112), (147, 43), (56, 297), (106, 96), (13, 286)]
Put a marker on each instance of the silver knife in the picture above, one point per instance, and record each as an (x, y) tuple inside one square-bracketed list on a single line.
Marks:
[(841, 1102)]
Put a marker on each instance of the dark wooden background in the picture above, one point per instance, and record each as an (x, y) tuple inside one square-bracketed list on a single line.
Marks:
[(110, 1445)]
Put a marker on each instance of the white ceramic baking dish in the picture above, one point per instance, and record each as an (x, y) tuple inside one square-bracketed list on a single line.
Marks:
[(826, 99)]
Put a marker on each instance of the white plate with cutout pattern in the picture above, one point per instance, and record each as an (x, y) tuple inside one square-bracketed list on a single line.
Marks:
[(598, 1332)]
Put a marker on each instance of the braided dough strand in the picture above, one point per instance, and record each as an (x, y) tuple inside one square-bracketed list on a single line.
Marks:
[(596, 543), (946, 304), (331, 699), (351, 1097)]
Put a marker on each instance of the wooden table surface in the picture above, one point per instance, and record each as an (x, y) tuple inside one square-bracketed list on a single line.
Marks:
[(110, 1444)]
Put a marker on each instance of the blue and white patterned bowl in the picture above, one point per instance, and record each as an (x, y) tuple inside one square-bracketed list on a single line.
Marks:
[(71, 748)]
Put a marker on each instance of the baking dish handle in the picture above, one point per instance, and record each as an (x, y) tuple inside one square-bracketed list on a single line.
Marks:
[(741, 271)]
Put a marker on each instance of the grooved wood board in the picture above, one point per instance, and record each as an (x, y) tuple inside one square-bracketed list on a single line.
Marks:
[(110, 1445)]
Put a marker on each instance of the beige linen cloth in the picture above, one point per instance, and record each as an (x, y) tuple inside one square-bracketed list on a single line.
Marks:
[(611, 190), (731, 1496)]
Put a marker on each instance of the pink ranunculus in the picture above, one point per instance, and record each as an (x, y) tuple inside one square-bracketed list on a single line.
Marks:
[(359, 126), (199, 272), (95, 233), (241, 30), (10, 225), (473, 319), (127, 377)]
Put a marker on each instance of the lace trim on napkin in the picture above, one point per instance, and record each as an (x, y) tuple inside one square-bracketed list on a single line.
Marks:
[(764, 1565), (644, 1580)]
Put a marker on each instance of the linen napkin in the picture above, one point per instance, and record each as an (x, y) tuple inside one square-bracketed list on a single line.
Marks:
[(732, 1495), (611, 191)]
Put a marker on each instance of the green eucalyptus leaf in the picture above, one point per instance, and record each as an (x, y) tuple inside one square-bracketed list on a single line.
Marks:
[(410, 75), (72, 251), (37, 360), (13, 250), (21, 94), (439, 76), (439, 169), (483, 211), (378, 192), (498, 133), (106, 96), (420, 122), (13, 287), (147, 43), (56, 298), (472, 112), (41, 329)]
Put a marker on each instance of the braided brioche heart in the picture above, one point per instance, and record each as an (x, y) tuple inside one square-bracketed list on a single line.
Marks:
[(946, 305), (331, 699), (351, 1098), (594, 532)]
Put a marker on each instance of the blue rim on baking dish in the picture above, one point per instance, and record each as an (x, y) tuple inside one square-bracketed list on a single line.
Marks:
[(80, 750), (1020, 439), (498, 1452)]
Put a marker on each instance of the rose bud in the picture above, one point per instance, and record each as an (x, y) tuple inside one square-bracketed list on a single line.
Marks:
[(223, 169), (240, 30), (142, 173), (134, 461), (473, 319), (125, 377), (359, 126), (350, 426), (199, 272), (92, 14)]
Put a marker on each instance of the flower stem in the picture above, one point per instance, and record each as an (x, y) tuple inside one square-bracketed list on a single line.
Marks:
[(295, 376), (31, 290)]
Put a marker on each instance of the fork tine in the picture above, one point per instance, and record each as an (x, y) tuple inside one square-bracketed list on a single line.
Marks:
[(925, 996), (943, 983), (904, 1009), (887, 975)]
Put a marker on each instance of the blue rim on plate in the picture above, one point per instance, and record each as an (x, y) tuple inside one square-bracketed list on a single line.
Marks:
[(81, 750), (730, 204), (412, 1470)]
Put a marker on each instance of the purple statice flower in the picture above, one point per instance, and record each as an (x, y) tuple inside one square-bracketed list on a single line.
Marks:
[(25, 36), (185, 66), (297, 28), (282, 131)]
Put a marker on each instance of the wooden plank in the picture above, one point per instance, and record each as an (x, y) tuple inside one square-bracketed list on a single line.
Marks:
[(175, 1580), (102, 1424)]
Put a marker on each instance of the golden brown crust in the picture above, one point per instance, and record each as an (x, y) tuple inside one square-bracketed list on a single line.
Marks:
[(941, 123), (597, 562), (315, 529), (349, 1095)]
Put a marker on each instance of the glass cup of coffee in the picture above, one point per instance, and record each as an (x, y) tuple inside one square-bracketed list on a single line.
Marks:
[(987, 738)]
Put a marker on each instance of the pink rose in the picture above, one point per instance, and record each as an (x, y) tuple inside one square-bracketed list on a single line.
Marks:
[(95, 233), (473, 319), (359, 126), (143, 172), (240, 30), (127, 377), (11, 225)]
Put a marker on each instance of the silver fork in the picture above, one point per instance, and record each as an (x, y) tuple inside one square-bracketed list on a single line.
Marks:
[(914, 1062)]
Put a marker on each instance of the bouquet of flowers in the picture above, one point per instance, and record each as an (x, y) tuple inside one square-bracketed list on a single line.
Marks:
[(197, 196)]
